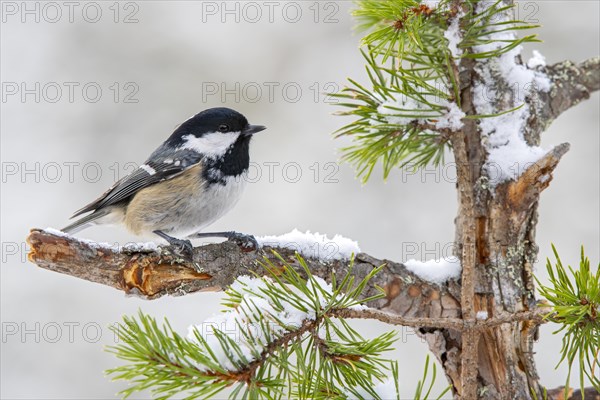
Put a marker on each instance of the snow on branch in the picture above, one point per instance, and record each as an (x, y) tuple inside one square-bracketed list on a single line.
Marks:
[(313, 245), (150, 272), (499, 96), (412, 295), (435, 271)]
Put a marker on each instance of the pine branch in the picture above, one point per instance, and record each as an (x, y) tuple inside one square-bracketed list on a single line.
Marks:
[(537, 316), (571, 84), (249, 347), (407, 116), (575, 303), (272, 317), (153, 274), (408, 301)]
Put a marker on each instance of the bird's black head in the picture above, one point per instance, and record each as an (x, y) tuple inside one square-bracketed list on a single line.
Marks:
[(221, 136), (212, 132), (220, 119)]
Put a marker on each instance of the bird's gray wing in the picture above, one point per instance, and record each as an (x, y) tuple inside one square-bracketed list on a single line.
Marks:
[(160, 166)]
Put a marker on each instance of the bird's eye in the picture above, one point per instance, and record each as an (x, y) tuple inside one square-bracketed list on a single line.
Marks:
[(224, 128)]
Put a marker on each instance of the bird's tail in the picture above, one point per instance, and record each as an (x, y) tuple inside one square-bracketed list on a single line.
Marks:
[(85, 222)]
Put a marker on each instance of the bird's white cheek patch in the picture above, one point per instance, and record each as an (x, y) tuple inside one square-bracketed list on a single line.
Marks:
[(212, 144)]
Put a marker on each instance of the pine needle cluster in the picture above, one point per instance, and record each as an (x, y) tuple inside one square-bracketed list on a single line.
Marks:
[(279, 337), (413, 53), (575, 299)]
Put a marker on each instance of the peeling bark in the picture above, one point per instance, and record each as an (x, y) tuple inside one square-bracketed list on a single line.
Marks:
[(152, 274)]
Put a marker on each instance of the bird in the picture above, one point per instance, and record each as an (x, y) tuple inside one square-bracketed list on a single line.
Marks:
[(191, 180)]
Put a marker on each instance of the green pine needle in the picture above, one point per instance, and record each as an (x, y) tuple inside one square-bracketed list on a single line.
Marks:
[(326, 360), (323, 358), (408, 57), (421, 386), (575, 299)]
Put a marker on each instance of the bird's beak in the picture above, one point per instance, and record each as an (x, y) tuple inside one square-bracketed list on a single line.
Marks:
[(252, 129)]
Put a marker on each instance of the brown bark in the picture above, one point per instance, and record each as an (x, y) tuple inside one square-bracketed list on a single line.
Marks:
[(495, 238), (152, 274), (571, 84)]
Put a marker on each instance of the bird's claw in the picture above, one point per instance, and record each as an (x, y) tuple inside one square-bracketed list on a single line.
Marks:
[(244, 241), (182, 249)]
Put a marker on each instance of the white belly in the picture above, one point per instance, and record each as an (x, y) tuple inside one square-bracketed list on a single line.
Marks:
[(182, 206), (211, 204)]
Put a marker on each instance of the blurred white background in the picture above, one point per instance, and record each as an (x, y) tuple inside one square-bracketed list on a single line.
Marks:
[(61, 150)]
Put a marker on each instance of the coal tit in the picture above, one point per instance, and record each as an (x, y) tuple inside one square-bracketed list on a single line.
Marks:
[(190, 181)]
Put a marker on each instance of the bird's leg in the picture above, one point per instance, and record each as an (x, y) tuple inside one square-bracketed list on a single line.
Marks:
[(241, 239), (182, 247)]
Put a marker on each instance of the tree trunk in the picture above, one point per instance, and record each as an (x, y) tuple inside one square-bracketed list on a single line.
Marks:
[(495, 237)]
